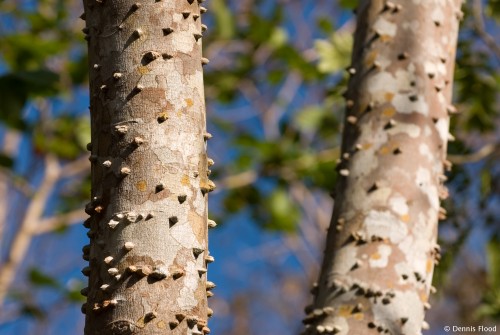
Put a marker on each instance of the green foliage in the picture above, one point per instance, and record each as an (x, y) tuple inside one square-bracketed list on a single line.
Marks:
[(6, 161), (477, 87), (325, 24), (238, 199), (33, 311), (17, 87), (349, 4), (486, 183), (224, 20), (278, 38), (67, 137), (491, 299), (73, 294), (310, 118), (26, 51), (493, 256), (282, 211), (493, 9), (38, 278), (334, 53)]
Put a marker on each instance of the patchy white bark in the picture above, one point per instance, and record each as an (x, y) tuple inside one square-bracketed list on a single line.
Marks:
[(148, 227), (381, 248)]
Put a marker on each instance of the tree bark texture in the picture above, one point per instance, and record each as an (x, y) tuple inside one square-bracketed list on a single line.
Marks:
[(148, 226), (381, 245)]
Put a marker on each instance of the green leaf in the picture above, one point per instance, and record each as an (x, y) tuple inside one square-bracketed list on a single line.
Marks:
[(349, 4), (493, 255), (293, 59), (237, 199), (493, 9), (223, 19), (490, 306), (334, 53), (73, 294), (38, 278), (309, 118), (33, 311), (325, 24), (278, 37), (284, 214), (77, 70), (82, 131), (275, 76), (17, 87), (67, 139), (486, 183), (6, 161), (28, 51)]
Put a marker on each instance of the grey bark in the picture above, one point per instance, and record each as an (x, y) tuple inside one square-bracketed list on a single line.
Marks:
[(381, 246), (148, 224)]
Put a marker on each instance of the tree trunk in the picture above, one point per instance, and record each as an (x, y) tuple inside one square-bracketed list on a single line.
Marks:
[(381, 246), (148, 226)]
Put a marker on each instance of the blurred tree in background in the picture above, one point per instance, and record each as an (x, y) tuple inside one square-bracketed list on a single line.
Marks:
[(274, 101)]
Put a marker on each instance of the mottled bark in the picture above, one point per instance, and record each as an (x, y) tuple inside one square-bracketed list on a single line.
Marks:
[(148, 227), (381, 246)]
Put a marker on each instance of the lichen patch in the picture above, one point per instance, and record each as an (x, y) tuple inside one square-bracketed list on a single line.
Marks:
[(385, 224), (398, 204), (383, 27), (382, 256), (425, 151), (142, 185), (346, 257), (427, 186), (184, 235), (404, 104), (411, 25), (187, 295)]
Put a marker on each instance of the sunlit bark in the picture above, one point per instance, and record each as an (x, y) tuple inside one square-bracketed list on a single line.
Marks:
[(148, 227), (381, 246)]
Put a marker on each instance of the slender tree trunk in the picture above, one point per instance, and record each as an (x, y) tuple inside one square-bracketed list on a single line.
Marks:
[(381, 246), (148, 226)]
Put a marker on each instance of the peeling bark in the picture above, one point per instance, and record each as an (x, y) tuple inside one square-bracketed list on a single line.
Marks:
[(148, 225), (381, 245)]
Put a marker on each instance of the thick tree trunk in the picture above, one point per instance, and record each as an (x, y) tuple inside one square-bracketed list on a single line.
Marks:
[(381, 246), (148, 226)]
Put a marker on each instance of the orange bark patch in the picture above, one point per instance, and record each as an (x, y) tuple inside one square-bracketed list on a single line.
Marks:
[(140, 323), (388, 96), (384, 150), (423, 297), (389, 111), (163, 115), (198, 226), (185, 180), (363, 106), (358, 316), (430, 265), (405, 218), (161, 324), (189, 102), (367, 146), (370, 58), (385, 38), (142, 69), (345, 311), (375, 256), (141, 185)]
